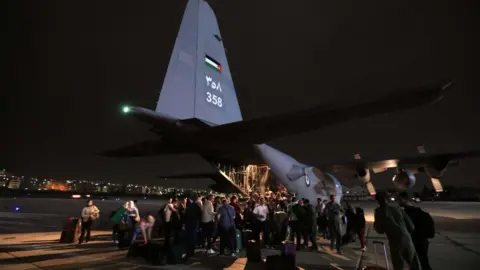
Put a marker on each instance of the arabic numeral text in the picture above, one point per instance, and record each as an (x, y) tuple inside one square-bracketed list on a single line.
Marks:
[(214, 99)]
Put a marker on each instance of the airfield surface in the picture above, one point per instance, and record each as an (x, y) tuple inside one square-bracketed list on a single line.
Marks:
[(29, 239)]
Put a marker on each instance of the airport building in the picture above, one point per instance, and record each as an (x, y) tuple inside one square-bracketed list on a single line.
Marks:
[(15, 182), (9, 180)]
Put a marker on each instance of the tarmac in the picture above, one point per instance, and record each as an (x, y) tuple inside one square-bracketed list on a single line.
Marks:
[(29, 240)]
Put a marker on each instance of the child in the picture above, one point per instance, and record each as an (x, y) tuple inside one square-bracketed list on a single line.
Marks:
[(360, 227)]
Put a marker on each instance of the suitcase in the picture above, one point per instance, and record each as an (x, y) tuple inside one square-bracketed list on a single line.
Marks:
[(278, 262), (376, 266), (289, 249), (136, 250), (238, 239), (247, 236), (151, 252), (71, 230), (254, 251), (124, 238), (154, 253)]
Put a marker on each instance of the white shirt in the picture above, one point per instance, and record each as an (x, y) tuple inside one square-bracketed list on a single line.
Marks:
[(262, 211), (168, 212), (320, 208), (208, 215), (89, 213)]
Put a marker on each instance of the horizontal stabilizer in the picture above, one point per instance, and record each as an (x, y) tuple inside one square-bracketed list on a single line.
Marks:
[(145, 148), (262, 130)]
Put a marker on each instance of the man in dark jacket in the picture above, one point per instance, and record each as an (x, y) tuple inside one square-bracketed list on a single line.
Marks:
[(303, 223), (333, 212), (420, 241), (193, 215), (311, 226)]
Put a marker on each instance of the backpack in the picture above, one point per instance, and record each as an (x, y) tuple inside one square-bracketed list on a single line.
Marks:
[(423, 222), (426, 224)]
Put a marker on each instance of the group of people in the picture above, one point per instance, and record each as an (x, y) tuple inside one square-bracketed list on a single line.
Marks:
[(199, 221), (331, 218), (408, 229), (127, 223), (272, 219)]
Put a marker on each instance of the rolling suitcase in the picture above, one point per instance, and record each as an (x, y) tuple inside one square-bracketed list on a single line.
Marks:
[(254, 251), (71, 230), (238, 240), (377, 267), (278, 262), (247, 236)]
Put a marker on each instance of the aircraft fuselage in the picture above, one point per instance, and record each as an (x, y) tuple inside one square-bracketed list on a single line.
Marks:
[(303, 180)]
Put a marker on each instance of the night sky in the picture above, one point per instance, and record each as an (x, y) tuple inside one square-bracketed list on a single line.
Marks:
[(72, 65)]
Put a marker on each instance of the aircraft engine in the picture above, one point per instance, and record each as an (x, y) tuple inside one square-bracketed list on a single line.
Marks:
[(363, 174), (403, 180)]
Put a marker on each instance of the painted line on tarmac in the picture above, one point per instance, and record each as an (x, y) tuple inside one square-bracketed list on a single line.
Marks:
[(19, 215)]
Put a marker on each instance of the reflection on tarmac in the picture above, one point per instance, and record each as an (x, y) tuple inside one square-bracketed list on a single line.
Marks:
[(29, 239)]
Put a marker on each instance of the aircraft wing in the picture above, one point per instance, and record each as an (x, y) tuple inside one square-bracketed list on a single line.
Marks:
[(145, 148), (222, 182), (348, 170), (262, 130)]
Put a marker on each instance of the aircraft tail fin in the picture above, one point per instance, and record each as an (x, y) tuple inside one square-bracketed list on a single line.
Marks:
[(198, 83)]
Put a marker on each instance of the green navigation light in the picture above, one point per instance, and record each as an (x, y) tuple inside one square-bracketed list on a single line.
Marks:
[(126, 109)]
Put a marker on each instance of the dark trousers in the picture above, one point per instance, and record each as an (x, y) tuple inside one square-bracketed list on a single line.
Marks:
[(335, 230), (296, 231), (262, 227), (322, 226), (86, 227), (227, 239), (207, 233), (421, 246), (309, 235), (191, 237), (361, 236), (115, 231), (169, 233)]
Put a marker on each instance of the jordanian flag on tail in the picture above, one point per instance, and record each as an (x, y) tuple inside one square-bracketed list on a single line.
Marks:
[(213, 64)]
